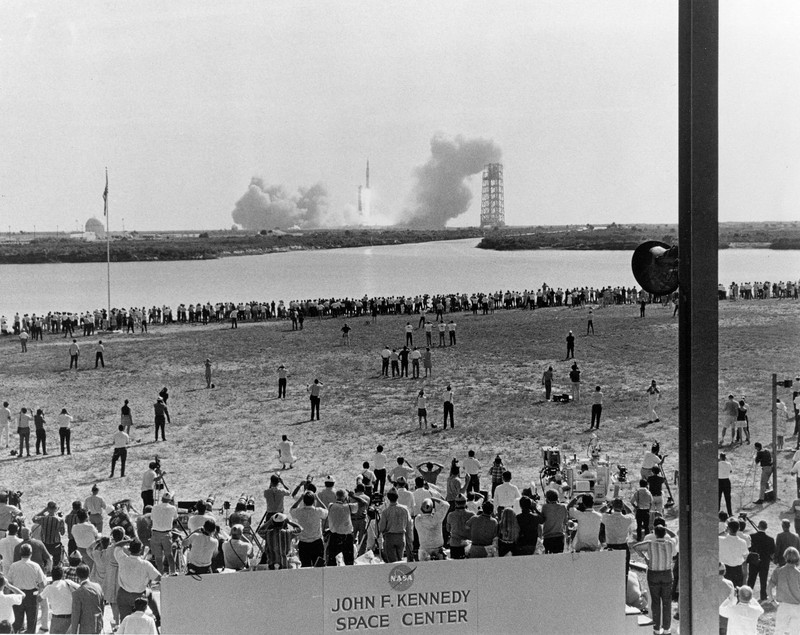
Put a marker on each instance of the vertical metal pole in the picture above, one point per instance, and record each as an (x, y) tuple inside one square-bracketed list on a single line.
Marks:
[(775, 435), (698, 49), (108, 253)]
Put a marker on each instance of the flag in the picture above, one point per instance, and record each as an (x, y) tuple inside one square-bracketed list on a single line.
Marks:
[(105, 197)]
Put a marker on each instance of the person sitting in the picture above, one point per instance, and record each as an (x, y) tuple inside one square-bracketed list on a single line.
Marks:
[(237, 550), (482, 532), (198, 520)]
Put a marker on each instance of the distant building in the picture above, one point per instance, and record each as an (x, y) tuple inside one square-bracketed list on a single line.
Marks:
[(85, 236), (95, 226)]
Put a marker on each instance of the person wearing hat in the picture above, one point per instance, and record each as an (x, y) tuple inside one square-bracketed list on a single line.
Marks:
[(163, 515), (397, 529), (428, 523), (282, 375), (328, 494), (73, 561), (161, 415), (53, 528), (237, 550), (278, 541), (570, 345), (96, 507), (457, 528)]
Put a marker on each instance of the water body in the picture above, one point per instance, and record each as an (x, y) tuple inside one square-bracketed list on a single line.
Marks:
[(450, 266)]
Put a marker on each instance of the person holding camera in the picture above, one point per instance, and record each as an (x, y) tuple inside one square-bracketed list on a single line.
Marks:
[(763, 546), (764, 459), (201, 546), (52, 526), (310, 512), (237, 550), (742, 611)]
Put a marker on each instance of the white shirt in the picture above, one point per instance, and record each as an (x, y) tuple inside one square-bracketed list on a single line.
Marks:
[(148, 480), (7, 602), (121, 439), (26, 575), (379, 461), (725, 469), (507, 495), (64, 421), (84, 534), (138, 623), (163, 516), (5, 413), (134, 573), (471, 465), (742, 618), (732, 550), (59, 596), (448, 396), (7, 546), (197, 521)]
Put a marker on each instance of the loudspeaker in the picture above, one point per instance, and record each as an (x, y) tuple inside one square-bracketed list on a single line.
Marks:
[(655, 267)]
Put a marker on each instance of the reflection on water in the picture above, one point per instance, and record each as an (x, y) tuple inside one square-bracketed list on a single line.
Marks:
[(452, 266)]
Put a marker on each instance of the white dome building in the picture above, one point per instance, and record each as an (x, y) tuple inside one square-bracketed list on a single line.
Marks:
[(95, 226)]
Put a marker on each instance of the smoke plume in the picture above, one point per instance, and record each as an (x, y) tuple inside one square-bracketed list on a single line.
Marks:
[(441, 191), (272, 206)]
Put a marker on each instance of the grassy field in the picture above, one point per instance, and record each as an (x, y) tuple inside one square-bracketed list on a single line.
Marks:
[(222, 441)]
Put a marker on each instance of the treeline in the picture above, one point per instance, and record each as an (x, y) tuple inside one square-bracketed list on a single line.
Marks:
[(209, 245), (628, 237)]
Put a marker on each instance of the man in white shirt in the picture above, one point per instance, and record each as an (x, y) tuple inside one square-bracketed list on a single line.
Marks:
[(163, 516), (198, 520), (309, 512), (733, 552), (587, 537), (379, 467), (135, 575), (472, 469), (237, 551), (448, 407), (148, 484), (5, 422), (725, 469), (138, 622), (10, 596), (7, 546), (121, 441), (742, 611), (84, 533), (59, 598), (201, 546), (507, 495), (29, 578), (428, 523), (96, 507), (65, 430)]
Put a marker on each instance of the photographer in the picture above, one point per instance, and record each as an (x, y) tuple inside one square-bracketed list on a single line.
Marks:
[(151, 475), (237, 550), (201, 547), (279, 534), (200, 518), (742, 611), (240, 515), (274, 495), (341, 528), (618, 521), (310, 512), (53, 528), (428, 524)]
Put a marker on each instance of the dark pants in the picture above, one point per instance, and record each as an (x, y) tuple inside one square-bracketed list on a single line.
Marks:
[(642, 523), (193, 569), (125, 601), (120, 454), (548, 388), (147, 498), (725, 492), (553, 544), (282, 388), (597, 410), (340, 543), (160, 424), (98, 359), (452, 338), (457, 553), (385, 367), (473, 483), (570, 351), (64, 435), (314, 407), (312, 554), (73, 361), (380, 480), (735, 575), (395, 546), (56, 550), (25, 438), (761, 572), (448, 412), (660, 584), (41, 441), (27, 612)]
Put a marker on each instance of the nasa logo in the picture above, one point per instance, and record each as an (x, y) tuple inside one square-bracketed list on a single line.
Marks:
[(401, 577)]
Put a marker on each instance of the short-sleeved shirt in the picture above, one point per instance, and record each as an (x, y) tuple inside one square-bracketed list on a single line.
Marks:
[(7, 604), (59, 596), (310, 519), (26, 575), (339, 521)]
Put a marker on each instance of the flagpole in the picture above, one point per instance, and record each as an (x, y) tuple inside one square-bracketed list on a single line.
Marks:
[(108, 249)]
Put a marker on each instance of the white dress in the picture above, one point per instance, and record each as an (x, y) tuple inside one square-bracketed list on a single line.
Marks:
[(286, 452)]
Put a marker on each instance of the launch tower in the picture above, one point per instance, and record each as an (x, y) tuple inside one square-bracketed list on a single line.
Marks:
[(492, 208)]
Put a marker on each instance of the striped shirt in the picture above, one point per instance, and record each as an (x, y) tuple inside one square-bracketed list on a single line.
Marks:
[(52, 528), (279, 544), (661, 552)]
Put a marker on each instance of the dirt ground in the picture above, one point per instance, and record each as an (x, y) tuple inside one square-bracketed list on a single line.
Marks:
[(222, 441)]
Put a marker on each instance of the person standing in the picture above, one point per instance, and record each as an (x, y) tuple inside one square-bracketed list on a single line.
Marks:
[(784, 589), (138, 622), (126, 419), (134, 577), (448, 407), (570, 345), (98, 354), (346, 335), (733, 553), (415, 357), (421, 404), (575, 379), (427, 363), (472, 469), (282, 382), (74, 353), (24, 431), (41, 433), (5, 423), (730, 409), (396, 526), (764, 459), (642, 501), (547, 382), (660, 552), (148, 484), (29, 578), (452, 329), (409, 334), (23, 340), (741, 610), (52, 530), (310, 517), (762, 544), (496, 472), (315, 393), (742, 423), (441, 327), (428, 333), (386, 353), (340, 525), (163, 515), (120, 441), (725, 469), (201, 546), (58, 595), (653, 396), (785, 539), (379, 468), (96, 507), (597, 408), (161, 415), (589, 323), (207, 365)]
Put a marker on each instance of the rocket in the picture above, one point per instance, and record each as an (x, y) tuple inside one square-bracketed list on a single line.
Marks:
[(367, 186)]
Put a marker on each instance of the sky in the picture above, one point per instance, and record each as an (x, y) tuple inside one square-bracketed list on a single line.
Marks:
[(187, 102)]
